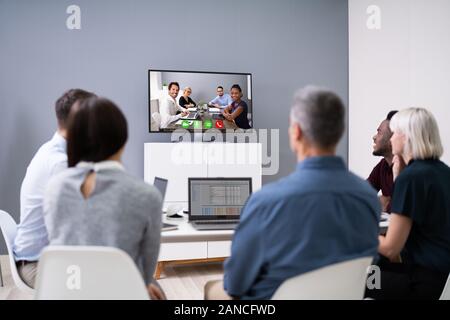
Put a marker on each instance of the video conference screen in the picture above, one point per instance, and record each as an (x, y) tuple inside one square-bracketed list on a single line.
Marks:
[(198, 101)]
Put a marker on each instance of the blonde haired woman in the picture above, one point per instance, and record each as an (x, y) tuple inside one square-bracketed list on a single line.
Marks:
[(186, 101), (417, 243)]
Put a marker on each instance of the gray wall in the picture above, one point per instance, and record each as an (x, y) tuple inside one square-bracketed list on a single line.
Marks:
[(204, 85), (285, 45)]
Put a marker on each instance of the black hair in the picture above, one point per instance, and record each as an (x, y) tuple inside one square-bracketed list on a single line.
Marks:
[(64, 104), (174, 84), (95, 131), (219, 87), (236, 86), (391, 114)]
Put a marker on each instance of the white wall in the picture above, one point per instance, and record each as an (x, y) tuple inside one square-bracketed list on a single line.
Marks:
[(403, 64)]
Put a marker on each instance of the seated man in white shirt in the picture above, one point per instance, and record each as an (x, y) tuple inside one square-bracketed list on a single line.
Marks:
[(50, 159), (169, 106)]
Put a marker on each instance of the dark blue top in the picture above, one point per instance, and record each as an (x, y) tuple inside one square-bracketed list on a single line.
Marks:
[(319, 215), (422, 193), (242, 119)]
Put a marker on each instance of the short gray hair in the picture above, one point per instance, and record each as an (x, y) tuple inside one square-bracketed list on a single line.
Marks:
[(320, 114), (421, 131)]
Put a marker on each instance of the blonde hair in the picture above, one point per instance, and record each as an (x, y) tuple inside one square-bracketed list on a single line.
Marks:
[(421, 131), (187, 88)]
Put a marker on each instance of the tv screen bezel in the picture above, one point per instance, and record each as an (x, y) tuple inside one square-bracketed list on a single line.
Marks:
[(203, 130)]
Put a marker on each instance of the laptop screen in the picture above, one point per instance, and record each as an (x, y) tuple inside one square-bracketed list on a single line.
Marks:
[(161, 185), (217, 198)]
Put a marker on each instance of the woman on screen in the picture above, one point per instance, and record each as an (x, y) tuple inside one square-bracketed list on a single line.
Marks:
[(237, 111), (185, 99), (95, 202)]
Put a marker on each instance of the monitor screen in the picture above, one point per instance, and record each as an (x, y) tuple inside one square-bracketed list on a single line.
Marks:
[(215, 197), (197, 101)]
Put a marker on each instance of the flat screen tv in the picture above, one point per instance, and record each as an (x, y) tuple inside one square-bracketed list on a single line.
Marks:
[(198, 100)]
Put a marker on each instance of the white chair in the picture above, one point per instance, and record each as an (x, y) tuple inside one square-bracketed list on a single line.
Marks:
[(156, 120), (1, 275), (340, 281), (9, 231), (446, 292), (87, 273)]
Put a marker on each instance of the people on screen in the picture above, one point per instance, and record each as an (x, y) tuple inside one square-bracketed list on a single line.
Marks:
[(95, 202), (381, 176), (49, 160), (237, 111), (185, 100), (319, 215), (222, 99), (169, 106), (417, 242)]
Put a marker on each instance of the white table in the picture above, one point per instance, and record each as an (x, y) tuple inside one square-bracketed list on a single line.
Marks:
[(187, 245)]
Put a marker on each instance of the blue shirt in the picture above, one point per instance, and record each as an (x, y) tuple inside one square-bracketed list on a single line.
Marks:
[(319, 215), (31, 238), (222, 101)]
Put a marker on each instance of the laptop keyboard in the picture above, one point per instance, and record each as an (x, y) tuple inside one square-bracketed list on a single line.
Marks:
[(217, 222)]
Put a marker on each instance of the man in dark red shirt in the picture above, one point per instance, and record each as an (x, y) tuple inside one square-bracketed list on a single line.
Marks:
[(381, 176)]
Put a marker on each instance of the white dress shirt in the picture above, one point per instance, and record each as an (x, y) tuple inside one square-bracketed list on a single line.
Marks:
[(168, 111), (31, 238)]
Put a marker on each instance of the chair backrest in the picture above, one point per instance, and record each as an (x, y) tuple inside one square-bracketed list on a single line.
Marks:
[(340, 281), (86, 273), (156, 120), (9, 231), (154, 105), (446, 292)]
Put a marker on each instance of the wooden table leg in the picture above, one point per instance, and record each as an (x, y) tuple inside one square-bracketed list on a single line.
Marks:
[(159, 269)]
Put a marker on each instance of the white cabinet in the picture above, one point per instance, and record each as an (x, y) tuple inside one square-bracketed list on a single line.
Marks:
[(218, 249), (179, 161), (194, 250), (183, 251)]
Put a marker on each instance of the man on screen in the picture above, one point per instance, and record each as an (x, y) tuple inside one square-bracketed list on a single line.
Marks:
[(170, 106), (222, 100)]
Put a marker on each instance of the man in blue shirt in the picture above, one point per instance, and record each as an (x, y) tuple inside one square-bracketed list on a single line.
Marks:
[(222, 100), (50, 159), (319, 215)]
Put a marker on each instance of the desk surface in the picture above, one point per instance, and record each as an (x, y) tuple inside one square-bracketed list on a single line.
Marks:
[(186, 232), (206, 116)]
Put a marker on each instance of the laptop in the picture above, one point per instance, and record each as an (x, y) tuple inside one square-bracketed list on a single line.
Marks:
[(216, 203), (191, 116), (161, 185)]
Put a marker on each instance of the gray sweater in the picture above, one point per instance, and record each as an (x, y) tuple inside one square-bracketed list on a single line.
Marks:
[(122, 212)]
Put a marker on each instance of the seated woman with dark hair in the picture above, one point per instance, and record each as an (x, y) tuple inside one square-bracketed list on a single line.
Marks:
[(416, 248), (95, 202), (237, 111)]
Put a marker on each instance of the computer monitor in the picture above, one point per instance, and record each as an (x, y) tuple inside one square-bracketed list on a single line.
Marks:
[(204, 110), (161, 185), (217, 198)]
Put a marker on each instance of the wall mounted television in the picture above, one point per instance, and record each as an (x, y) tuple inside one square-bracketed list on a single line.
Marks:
[(199, 100)]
